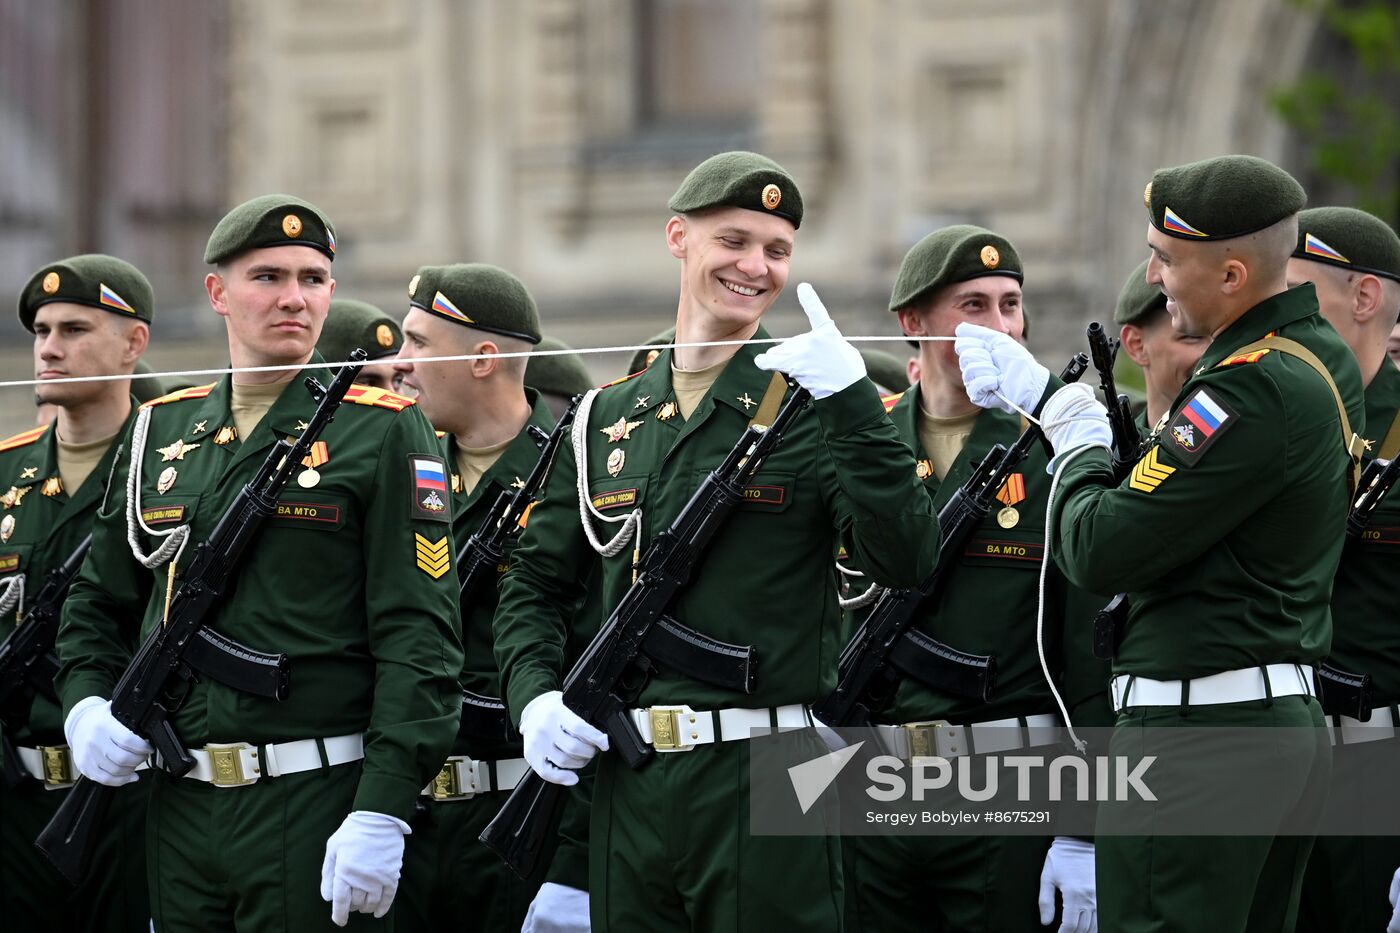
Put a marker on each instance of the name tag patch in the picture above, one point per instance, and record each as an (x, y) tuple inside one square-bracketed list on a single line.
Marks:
[(1381, 534), (310, 513), (9, 563), (618, 498), (1028, 552), (765, 495), (163, 514)]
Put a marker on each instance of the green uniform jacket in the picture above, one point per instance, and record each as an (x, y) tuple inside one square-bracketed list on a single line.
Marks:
[(1366, 592), (353, 579), (49, 524), (768, 579), (1226, 539), (989, 604)]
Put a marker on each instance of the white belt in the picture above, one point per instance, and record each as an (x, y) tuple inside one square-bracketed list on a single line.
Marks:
[(238, 763), (1348, 731), (51, 764), (938, 738), (680, 728), (462, 778), (1241, 686)]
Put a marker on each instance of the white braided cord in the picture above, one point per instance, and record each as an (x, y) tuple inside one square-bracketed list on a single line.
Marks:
[(630, 522), (13, 595), (175, 538)]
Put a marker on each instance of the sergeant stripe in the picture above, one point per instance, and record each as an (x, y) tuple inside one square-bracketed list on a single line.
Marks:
[(433, 557), (1150, 472)]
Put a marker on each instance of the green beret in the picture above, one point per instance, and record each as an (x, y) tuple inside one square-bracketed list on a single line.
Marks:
[(644, 356), (740, 179), (1137, 299), (1221, 198), (953, 254), (886, 369), (560, 374), (477, 295), (95, 280), (271, 220), (351, 324), (1350, 239)]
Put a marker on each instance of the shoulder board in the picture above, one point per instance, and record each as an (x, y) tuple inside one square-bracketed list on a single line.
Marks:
[(379, 398), (181, 394), (24, 439), (618, 382), (1245, 358), (889, 401)]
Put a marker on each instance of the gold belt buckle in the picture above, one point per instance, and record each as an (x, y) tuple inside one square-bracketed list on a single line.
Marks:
[(226, 765), (923, 738), (666, 729), (447, 785), (58, 765)]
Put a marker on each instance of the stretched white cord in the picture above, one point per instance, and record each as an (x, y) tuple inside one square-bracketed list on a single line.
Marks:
[(13, 595), (864, 599), (175, 538), (630, 522)]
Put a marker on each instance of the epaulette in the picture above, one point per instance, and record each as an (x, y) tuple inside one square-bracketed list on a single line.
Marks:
[(379, 398), (889, 401), (180, 395), (24, 438), (1245, 358), (618, 382)]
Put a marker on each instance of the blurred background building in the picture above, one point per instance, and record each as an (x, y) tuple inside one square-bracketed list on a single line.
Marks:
[(547, 135)]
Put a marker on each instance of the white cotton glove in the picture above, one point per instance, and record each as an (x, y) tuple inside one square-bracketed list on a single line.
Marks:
[(1069, 869), (557, 741), (361, 869), (557, 908), (820, 360), (992, 363), (103, 749), (1394, 925), (1072, 418)]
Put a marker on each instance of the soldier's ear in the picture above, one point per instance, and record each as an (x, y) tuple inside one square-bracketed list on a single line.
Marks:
[(1233, 276), (677, 230), (1130, 336), (1368, 296), (217, 290)]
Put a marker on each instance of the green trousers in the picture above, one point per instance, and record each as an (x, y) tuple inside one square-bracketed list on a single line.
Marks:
[(943, 884), (451, 881), (670, 849), (226, 859), (37, 899), (1224, 884)]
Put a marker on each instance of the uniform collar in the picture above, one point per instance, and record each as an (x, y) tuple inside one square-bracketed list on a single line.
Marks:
[(517, 460), (1267, 316), (992, 426)]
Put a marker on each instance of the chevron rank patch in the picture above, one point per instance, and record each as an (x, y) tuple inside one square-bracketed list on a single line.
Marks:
[(1197, 425), (433, 557), (1150, 472)]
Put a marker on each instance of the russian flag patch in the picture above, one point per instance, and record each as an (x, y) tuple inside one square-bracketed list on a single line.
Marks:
[(1172, 223), (444, 306), (1197, 424), (1315, 247), (110, 299), (429, 476)]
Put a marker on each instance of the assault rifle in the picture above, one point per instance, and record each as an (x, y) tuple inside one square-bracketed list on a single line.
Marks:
[(485, 550), (888, 647), (1376, 481), (639, 635), (177, 651), (27, 662), (1120, 418)]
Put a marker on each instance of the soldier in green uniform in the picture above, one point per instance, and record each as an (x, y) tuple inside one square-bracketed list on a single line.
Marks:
[(90, 316), (558, 377), (1353, 261), (1225, 536), (966, 273), (485, 413), (1165, 355), (352, 325), (670, 844), (352, 578)]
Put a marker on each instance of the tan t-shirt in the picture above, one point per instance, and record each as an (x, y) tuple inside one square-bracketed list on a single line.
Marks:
[(691, 386), (249, 403), (473, 462), (944, 438), (77, 461)]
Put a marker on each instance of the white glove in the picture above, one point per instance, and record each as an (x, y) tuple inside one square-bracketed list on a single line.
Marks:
[(1073, 417), (1069, 868), (361, 869), (557, 908), (103, 749), (1394, 925), (557, 741), (997, 370), (820, 360)]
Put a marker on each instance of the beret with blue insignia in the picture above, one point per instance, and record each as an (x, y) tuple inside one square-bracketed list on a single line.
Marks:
[(1349, 239), (1221, 198), (270, 220), (92, 279), (478, 295), (740, 179)]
